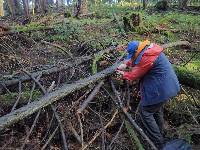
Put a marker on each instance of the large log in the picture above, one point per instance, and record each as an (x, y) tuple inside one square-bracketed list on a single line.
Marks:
[(187, 77), (44, 101), (77, 61)]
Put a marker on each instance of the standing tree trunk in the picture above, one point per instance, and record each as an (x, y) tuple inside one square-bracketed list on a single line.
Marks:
[(77, 8), (11, 6), (18, 8), (144, 4), (26, 7), (1, 8), (84, 9), (43, 5), (182, 4)]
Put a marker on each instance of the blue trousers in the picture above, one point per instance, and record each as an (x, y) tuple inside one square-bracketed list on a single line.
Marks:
[(151, 120)]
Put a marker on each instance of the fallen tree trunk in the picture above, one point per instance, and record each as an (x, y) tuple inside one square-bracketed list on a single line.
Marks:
[(33, 107), (178, 43), (188, 78), (10, 32), (44, 101), (52, 70), (45, 72), (78, 61)]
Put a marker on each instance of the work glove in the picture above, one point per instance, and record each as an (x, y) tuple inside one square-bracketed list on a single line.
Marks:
[(122, 67), (119, 74)]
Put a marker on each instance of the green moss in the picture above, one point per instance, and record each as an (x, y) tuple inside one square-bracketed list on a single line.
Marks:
[(94, 63), (189, 74), (29, 27), (184, 132), (133, 136), (9, 99)]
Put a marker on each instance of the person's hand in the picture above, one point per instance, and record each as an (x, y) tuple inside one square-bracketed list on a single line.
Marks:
[(122, 67), (119, 74)]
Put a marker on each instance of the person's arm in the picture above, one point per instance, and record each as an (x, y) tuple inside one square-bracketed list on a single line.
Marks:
[(139, 70), (124, 65)]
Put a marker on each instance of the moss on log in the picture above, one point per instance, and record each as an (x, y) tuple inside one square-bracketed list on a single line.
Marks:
[(8, 99), (188, 77)]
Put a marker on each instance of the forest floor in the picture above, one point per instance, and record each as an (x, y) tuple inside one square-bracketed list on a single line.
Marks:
[(56, 41)]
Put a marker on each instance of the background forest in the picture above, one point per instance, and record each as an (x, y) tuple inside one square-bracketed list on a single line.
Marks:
[(57, 58)]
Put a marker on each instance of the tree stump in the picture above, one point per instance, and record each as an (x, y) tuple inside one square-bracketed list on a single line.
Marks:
[(162, 5), (131, 21)]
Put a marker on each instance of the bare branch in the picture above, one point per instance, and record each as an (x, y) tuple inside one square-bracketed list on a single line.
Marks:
[(50, 138), (90, 97), (100, 131), (78, 138), (52, 107), (19, 96), (134, 124), (113, 140)]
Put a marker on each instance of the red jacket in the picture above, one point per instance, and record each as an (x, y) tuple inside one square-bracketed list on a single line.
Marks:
[(145, 63), (158, 81)]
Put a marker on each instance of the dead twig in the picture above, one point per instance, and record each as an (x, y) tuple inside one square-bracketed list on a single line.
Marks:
[(115, 137), (4, 86), (49, 126), (61, 128), (50, 138), (80, 98), (19, 96), (36, 118), (52, 107), (33, 88), (103, 134), (128, 95), (185, 92), (58, 46), (30, 131), (76, 135), (81, 128), (134, 124), (100, 131), (194, 55), (192, 116)]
